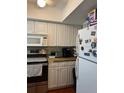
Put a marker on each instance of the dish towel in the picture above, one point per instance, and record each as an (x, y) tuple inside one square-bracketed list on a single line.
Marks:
[(34, 70)]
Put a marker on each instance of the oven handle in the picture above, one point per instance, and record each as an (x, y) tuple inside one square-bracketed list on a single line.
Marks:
[(45, 64), (32, 63)]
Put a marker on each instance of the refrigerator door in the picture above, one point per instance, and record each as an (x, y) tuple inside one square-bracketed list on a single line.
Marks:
[(88, 43), (87, 77)]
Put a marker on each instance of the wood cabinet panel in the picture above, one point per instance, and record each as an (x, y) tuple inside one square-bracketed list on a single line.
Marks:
[(70, 75), (59, 35), (30, 26), (71, 37), (62, 76), (41, 27), (52, 78), (52, 34)]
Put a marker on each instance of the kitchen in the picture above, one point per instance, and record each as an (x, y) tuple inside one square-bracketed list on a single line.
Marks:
[(36, 38), (55, 33)]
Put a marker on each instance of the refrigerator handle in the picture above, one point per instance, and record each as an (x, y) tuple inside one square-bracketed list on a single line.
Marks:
[(77, 44), (77, 68)]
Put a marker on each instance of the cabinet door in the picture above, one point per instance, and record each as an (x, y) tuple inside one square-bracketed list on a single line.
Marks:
[(60, 35), (63, 72), (30, 26), (52, 40), (66, 35), (53, 65), (70, 75), (52, 78), (71, 63), (41, 27), (71, 36)]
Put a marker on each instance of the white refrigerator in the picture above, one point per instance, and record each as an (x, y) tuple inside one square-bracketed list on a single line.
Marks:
[(86, 63)]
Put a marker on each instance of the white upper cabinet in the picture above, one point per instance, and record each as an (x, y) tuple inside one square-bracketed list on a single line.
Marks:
[(41, 27), (30, 26), (71, 36), (66, 35), (52, 40), (58, 34)]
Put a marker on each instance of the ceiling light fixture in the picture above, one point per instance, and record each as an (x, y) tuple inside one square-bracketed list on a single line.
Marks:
[(41, 3)]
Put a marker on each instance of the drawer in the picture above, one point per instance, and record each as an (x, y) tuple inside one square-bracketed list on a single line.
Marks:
[(72, 63), (55, 64), (62, 64)]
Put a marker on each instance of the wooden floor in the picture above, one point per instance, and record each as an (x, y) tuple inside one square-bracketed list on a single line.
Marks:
[(65, 90)]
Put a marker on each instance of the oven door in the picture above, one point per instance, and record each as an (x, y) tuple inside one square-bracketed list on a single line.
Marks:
[(43, 77)]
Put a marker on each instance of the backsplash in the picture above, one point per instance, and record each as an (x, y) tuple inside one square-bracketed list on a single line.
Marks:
[(50, 51), (57, 50)]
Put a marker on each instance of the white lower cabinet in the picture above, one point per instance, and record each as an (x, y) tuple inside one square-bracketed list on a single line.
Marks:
[(70, 75), (53, 78), (60, 75)]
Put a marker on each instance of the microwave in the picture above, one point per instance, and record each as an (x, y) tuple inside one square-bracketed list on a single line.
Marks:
[(36, 40)]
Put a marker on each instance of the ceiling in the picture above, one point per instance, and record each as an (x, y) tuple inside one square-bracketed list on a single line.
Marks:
[(65, 11), (59, 4), (48, 13)]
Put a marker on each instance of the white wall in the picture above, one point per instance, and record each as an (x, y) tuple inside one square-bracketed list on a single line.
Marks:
[(47, 13)]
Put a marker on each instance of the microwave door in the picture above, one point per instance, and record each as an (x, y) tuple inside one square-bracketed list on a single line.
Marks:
[(34, 40)]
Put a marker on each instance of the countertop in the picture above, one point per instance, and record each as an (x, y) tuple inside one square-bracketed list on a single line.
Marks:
[(61, 59)]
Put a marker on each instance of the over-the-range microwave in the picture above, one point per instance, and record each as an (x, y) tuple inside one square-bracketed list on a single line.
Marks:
[(36, 40)]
